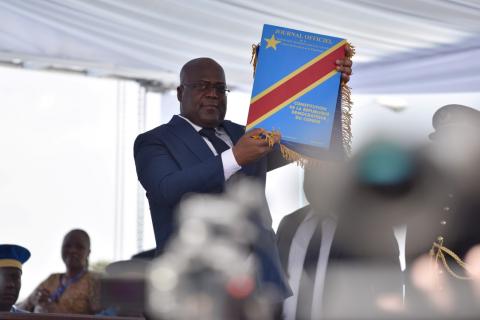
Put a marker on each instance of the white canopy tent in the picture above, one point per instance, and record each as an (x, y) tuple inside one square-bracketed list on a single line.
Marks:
[(402, 46)]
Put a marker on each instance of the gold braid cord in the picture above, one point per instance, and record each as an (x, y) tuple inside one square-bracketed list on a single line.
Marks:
[(346, 120), (438, 252)]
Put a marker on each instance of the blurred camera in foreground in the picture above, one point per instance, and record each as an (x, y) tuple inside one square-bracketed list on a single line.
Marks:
[(208, 271)]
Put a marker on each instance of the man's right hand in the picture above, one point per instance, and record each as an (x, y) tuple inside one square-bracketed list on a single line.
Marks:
[(249, 149)]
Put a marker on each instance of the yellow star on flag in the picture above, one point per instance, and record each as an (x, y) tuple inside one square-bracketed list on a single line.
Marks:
[(272, 42)]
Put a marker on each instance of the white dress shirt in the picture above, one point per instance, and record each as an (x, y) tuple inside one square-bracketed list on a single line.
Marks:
[(328, 231), (296, 258), (230, 165)]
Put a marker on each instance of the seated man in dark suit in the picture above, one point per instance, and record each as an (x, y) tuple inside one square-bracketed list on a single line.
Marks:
[(199, 152), (11, 259)]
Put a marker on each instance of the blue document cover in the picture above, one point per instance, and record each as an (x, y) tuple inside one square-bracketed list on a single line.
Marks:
[(297, 89)]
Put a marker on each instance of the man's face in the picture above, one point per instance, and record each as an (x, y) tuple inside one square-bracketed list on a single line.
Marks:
[(201, 94), (10, 283), (322, 186)]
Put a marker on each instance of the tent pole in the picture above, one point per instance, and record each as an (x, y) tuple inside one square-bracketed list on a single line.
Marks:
[(142, 117), (119, 172)]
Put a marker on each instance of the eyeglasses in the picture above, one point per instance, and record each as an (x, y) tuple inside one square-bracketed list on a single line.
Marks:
[(204, 86)]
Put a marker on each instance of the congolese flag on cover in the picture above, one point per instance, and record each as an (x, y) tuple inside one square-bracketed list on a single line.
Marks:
[(298, 92)]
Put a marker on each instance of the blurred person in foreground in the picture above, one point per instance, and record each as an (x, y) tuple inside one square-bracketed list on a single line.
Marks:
[(12, 257), (455, 148), (323, 255), (344, 256), (199, 151), (77, 290)]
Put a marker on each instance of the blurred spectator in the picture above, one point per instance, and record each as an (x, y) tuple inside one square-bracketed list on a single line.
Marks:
[(11, 259), (75, 291)]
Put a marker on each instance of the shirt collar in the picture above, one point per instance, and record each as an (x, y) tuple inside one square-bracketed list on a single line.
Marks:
[(197, 128)]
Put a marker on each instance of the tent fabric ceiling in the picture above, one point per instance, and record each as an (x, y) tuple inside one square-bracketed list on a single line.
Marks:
[(397, 42)]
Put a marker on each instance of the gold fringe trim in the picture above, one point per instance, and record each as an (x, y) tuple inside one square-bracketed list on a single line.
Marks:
[(346, 106), (301, 160), (437, 252), (254, 59), (346, 119), (288, 153)]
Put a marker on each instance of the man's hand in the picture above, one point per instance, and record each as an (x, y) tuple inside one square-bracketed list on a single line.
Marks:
[(345, 65), (248, 149)]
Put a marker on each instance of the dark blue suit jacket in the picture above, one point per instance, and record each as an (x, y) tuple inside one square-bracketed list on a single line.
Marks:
[(173, 160)]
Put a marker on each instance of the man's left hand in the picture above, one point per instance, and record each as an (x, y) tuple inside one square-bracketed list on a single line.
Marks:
[(345, 65)]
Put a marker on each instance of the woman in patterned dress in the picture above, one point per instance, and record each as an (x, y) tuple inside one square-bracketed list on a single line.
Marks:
[(75, 291)]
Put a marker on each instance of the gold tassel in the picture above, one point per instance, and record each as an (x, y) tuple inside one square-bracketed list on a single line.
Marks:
[(269, 136), (288, 153), (437, 251), (254, 59)]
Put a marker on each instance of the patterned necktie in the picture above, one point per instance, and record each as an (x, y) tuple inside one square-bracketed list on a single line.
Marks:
[(219, 145)]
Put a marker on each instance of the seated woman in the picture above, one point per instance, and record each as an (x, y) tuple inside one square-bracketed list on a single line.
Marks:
[(76, 290)]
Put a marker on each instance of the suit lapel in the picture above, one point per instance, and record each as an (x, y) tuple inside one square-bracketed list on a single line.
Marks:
[(190, 137), (307, 279), (285, 241), (195, 143), (234, 131)]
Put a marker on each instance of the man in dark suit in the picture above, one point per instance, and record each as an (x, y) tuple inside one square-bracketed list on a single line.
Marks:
[(323, 255), (199, 152)]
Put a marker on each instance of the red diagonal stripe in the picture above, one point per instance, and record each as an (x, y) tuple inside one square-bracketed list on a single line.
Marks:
[(295, 85)]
